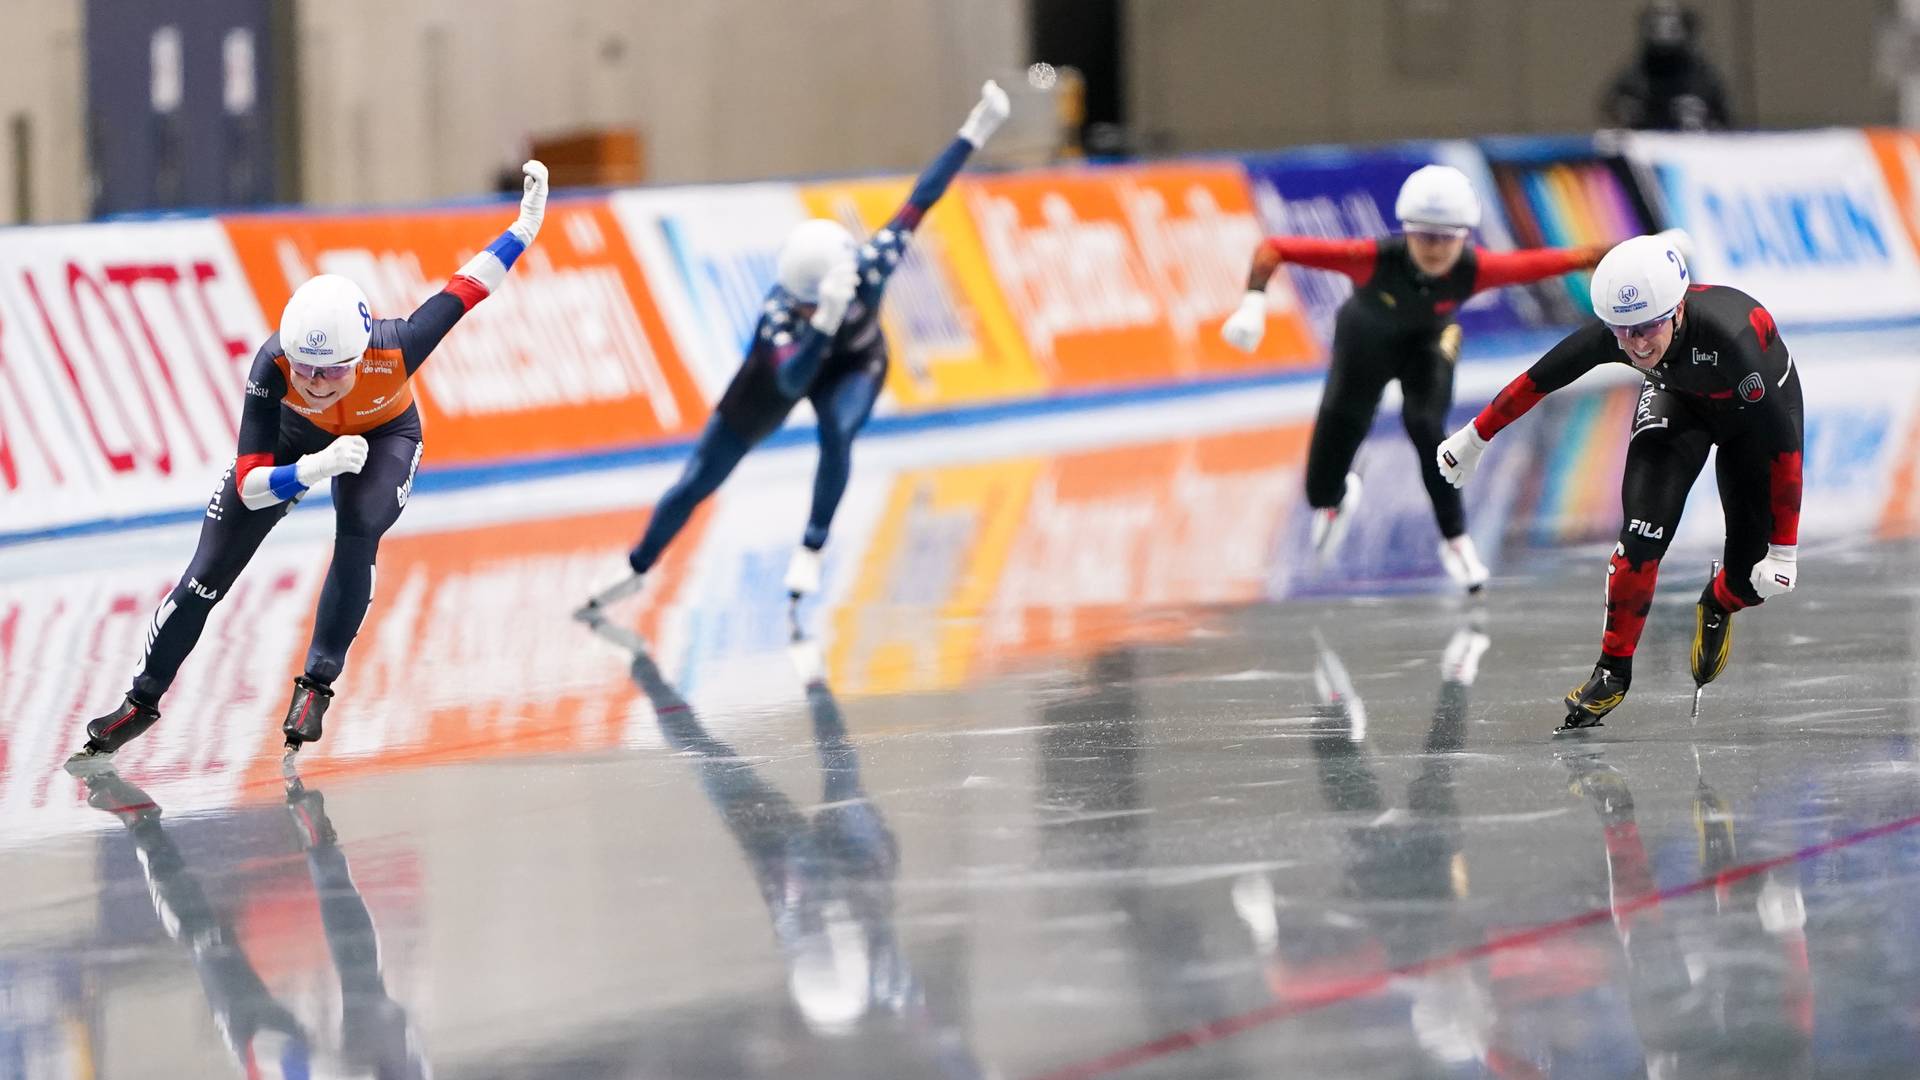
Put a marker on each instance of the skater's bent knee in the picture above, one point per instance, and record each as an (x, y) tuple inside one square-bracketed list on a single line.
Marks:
[(358, 548), (1638, 549)]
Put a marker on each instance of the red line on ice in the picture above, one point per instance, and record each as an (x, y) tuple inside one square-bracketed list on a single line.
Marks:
[(1362, 985)]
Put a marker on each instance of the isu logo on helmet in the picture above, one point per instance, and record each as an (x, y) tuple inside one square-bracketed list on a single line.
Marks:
[(317, 339), (1628, 294), (1752, 388)]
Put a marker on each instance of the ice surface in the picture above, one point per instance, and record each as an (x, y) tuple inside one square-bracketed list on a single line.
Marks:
[(1070, 801)]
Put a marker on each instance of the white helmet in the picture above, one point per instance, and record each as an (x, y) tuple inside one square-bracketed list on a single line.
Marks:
[(811, 249), (327, 322), (830, 973), (1438, 196), (1640, 280)]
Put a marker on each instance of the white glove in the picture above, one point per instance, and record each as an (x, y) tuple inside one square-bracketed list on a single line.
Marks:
[(842, 280), (1778, 573), (1681, 241), (987, 115), (345, 454), (1458, 456), (1248, 323), (533, 202)]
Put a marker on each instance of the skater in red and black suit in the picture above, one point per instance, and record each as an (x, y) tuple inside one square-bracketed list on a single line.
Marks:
[(1398, 324), (329, 397), (1717, 374)]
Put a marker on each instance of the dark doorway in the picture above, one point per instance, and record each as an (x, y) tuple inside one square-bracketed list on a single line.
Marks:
[(1088, 35), (181, 104)]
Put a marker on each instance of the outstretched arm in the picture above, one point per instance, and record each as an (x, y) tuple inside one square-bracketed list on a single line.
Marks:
[(932, 183), (799, 351), (1497, 268), (1354, 258), (481, 275), (881, 254), (1248, 324), (1578, 353)]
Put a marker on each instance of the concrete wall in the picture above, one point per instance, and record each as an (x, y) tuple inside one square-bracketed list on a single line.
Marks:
[(1232, 74), (430, 98), (41, 79)]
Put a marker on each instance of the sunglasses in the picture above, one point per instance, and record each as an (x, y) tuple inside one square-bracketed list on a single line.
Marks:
[(1645, 329), (324, 374)]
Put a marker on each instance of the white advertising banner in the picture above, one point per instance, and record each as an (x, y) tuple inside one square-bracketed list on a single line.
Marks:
[(123, 357), (709, 256), (1802, 221)]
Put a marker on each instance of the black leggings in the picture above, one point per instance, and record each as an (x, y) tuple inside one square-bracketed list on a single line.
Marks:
[(842, 402), (365, 504), (1357, 377), (1669, 447), (1670, 441)]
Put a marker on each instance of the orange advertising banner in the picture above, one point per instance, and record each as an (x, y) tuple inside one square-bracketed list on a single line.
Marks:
[(570, 356), (952, 336), (1121, 276), (1899, 155)]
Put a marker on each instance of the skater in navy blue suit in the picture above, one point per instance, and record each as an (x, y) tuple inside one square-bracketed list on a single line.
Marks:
[(818, 338)]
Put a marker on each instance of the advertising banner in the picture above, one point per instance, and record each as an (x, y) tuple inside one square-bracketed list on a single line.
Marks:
[(1333, 192), (123, 346), (1563, 192), (570, 355), (1898, 153), (1120, 276), (952, 337), (123, 357), (709, 256), (1802, 221)]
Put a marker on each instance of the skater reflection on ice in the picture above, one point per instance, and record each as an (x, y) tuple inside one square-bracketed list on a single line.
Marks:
[(826, 875), (1406, 865), (266, 1039), (1731, 998)]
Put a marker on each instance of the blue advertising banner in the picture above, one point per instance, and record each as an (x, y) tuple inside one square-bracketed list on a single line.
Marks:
[(1340, 192), (1802, 221)]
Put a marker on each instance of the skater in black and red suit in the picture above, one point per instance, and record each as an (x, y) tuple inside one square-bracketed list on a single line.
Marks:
[(1717, 375), (1398, 324)]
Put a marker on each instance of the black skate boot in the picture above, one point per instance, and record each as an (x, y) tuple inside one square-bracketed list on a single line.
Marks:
[(108, 790), (305, 712), (108, 733), (1712, 638), (1602, 693)]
